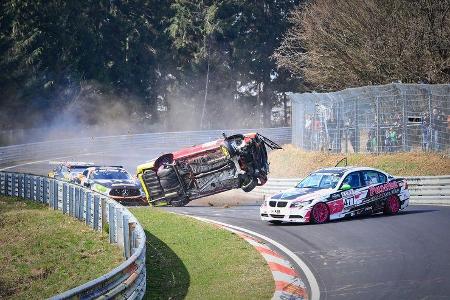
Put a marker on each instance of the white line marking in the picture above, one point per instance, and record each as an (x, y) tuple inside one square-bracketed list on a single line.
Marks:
[(280, 261), (314, 286)]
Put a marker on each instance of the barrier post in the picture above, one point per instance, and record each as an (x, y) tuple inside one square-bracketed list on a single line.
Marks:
[(45, 191), (112, 224), (88, 208), (96, 212), (126, 236), (77, 202), (64, 199), (81, 206)]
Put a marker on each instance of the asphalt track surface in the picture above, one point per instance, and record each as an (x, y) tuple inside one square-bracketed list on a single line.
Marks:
[(406, 256)]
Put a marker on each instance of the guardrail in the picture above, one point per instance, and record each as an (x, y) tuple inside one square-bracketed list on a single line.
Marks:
[(126, 281), (423, 189), (171, 140)]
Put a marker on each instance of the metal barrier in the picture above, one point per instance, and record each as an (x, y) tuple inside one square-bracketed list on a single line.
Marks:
[(423, 190), (172, 140), (128, 280)]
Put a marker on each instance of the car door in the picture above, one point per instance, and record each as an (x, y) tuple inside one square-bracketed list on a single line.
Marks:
[(352, 197), (372, 178)]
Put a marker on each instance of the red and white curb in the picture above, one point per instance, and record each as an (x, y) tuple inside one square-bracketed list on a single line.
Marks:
[(288, 283)]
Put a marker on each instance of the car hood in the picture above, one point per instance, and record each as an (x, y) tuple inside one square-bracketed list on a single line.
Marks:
[(302, 194), (116, 183)]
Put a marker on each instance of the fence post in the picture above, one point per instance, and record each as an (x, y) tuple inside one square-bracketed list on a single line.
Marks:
[(71, 200), (126, 236), (64, 199), (32, 187), (77, 203), (405, 129), (356, 123), (81, 206), (45, 190), (112, 224), (88, 208), (431, 133), (104, 209), (378, 123), (96, 212)]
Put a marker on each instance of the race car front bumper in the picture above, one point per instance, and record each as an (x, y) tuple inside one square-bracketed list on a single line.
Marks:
[(286, 214)]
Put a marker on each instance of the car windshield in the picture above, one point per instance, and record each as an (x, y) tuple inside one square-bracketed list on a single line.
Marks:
[(320, 181), (111, 174)]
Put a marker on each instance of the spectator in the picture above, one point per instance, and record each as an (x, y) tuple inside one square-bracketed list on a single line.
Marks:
[(308, 125), (332, 132), (425, 127)]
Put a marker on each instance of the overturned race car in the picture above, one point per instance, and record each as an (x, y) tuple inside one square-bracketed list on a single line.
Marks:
[(335, 193), (237, 161)]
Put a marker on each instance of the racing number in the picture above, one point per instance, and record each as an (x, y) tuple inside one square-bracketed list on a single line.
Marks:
[(349, 201)]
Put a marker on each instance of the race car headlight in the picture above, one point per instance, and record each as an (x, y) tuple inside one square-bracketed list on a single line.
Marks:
[(297, 204)]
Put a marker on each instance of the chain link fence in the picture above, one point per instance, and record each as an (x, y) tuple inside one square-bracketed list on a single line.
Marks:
[(388, 118)]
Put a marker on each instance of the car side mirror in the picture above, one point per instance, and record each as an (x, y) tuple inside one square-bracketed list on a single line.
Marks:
[(346, 187)]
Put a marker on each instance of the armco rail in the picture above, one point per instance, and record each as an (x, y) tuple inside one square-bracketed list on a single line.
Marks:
[(172, 140), (424, 189), (126, 281)]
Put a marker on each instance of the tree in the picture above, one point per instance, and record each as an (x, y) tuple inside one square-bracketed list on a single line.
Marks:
[(339, 43)]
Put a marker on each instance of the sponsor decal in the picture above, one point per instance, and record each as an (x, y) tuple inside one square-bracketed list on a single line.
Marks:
[(376, 190)]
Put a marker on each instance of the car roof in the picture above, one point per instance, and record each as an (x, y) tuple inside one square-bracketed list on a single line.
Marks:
[(107, 168), (345, 169)]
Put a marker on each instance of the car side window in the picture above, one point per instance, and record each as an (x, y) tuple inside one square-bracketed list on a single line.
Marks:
[(353, 179), (373, 177), (85, 173)]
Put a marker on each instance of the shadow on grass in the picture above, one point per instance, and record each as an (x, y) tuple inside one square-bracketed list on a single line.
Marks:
[(167, 276)]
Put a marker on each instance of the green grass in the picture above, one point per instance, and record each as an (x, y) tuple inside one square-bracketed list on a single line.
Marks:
[(44, 252), (190, 259), (294, 162)]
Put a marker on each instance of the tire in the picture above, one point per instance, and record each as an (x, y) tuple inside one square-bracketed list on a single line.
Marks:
[(249, 184), (392, 205), (179, 202), (320, 213), (275, 222), (168, 179)]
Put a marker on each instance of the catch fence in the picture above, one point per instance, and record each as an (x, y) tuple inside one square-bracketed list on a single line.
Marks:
[(386, 118)]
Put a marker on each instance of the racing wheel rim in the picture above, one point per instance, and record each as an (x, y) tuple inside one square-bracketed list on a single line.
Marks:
[(320, 213), (393, 204)]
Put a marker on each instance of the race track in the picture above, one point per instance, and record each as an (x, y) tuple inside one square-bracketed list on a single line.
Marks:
[(378, 257)]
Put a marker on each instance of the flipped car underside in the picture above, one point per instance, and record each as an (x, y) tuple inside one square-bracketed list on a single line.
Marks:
[(236, 163)]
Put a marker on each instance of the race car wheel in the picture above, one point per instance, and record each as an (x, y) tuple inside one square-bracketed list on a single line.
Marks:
[(392, 205), (179, 202), (249, 184), (320, 213), (168, 179)]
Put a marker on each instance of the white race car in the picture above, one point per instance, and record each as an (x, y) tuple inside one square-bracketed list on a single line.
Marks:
[(335, 193)]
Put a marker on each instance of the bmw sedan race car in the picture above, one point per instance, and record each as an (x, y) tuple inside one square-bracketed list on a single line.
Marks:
[(237, 161), (335, 193), (114, 182), (68, 171)]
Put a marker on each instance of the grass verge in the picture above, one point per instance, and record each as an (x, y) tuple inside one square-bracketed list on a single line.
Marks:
[(193, 260), (44, 252), (294, 162)]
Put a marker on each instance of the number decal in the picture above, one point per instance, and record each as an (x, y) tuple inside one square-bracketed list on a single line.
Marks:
[(349, 201)]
